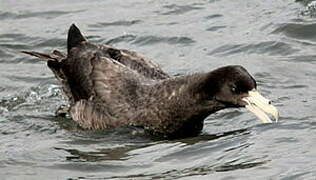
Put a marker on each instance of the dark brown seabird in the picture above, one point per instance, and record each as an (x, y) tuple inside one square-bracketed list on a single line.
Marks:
[(109, 87)]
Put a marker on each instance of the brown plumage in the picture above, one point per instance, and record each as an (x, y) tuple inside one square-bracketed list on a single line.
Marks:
[(109, 87)]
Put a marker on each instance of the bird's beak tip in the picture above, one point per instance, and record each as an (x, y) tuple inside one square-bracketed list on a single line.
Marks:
[(261, 106)]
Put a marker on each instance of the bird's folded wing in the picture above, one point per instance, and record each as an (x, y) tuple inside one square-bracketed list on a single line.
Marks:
[(114, 93), (138, 62), (92, 115)]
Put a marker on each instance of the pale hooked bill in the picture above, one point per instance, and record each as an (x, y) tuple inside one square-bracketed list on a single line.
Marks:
[(261, 106)]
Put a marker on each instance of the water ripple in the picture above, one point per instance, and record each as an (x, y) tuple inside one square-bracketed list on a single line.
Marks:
[(5, 54), (117, 153), (267, 47), (30, 98), (123, 38), (50, 43), (148, 40), (11, 42), (175, 9), (213, 16), (302, 31), (215, 28), (15, 37), (40, 14), (304, 58), (310, 9), (116, 23)]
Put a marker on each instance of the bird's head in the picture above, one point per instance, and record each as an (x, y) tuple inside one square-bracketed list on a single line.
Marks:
[(233, 86)]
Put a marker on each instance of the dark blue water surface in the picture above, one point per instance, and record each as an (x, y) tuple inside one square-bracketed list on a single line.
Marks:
[(274, 40)]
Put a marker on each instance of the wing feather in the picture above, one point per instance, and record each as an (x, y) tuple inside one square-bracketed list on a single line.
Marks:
[(115, 90)]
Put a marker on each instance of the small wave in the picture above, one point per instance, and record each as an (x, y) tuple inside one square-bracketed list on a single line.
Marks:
[(119, 153), (123, 38), (14, 46), (302, 31), (116, 23), (267, 47), (310, 9), (213, 16), (215, 28), (148, 40), (33, 96), (179, 9), (40, 14), (10, 42), (13, 37), (5, 54), (305, 58), (55, 42), (237, 166)]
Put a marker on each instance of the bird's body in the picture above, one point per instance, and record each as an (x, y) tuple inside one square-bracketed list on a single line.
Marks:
[(109, 87)]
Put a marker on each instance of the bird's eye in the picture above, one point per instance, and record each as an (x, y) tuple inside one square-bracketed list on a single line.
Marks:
[(233, 89)]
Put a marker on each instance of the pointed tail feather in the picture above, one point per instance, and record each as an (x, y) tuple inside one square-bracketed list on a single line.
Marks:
[(74, 37), (59, 54), (40, 55), (54, 61)]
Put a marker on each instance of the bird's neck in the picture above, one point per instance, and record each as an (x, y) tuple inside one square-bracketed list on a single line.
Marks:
[(193, 88), (176, 106)]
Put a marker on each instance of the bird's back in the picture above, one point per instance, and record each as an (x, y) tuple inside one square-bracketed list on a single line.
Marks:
[(102, 83)]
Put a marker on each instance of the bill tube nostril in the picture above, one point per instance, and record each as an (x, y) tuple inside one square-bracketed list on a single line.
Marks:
[(261, 106)]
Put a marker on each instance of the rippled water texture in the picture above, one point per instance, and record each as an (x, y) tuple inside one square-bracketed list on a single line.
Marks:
[(274, 40)]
